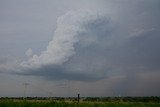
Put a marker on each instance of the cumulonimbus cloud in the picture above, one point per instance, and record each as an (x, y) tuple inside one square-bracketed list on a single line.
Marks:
[(87, 46), (75, 29), (61, 48)]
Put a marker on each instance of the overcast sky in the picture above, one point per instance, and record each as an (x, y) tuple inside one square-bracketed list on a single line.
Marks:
[(91, 47)]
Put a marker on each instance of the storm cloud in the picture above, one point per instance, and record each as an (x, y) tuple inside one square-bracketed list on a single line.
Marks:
[(72, 54), (106, 45), (86, 46)]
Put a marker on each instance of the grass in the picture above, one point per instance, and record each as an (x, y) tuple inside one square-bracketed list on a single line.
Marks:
[(48, 103)]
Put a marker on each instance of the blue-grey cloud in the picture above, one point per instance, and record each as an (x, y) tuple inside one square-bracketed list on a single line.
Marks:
[(85, 47), (72, 54), (115, 44)]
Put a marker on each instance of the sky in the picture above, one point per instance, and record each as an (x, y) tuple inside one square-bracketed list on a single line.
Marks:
[(93, 47)]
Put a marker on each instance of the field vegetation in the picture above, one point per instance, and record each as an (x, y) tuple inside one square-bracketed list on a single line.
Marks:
[(84, 102)]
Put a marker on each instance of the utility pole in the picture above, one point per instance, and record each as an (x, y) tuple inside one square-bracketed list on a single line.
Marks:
[(78, 98), (77, 91)]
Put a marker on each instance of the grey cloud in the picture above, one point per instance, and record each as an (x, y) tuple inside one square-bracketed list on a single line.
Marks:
[(51, 72), (98, 51), (118, 41), (85, 63), (142, 50)]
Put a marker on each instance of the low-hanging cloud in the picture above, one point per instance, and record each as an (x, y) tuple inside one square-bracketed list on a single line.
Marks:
[(88, 46), (64, 56)]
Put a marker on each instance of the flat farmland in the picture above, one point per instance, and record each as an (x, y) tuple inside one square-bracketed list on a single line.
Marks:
[(73, 103)]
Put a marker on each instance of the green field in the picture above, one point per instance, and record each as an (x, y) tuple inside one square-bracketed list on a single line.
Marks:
[(49, 103)]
